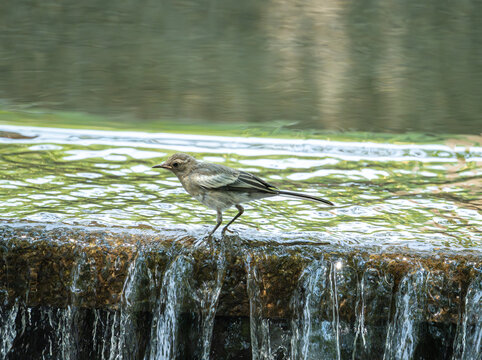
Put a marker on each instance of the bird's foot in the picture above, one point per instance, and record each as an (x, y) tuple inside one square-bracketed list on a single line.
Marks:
[(206, 240), (211, 239), (225, 230)]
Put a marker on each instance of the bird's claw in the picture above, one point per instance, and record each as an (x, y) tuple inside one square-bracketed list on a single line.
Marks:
[(229, 231), (212, 239)]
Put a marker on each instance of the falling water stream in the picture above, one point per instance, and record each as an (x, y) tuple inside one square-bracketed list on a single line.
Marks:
[(469, 336), (403, 332), (103, 257), (317, 337)]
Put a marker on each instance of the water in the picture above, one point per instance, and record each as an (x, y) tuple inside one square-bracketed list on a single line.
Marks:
[(469, 339), (206, 293), (152, 298), (267, 341), (166, 329), (375, 291), (146, 321), (424, 196), (8, 315), (317, 337), (103, 257), (403, 332), (373, 66)]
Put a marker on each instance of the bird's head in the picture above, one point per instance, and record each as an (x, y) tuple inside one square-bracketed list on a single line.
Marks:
[(178, 163)]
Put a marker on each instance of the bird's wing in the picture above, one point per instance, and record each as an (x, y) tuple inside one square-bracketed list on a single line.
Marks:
[(224, 178), (247, 180), (213, 180)]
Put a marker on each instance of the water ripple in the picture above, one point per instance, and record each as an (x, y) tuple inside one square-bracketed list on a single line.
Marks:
[(248, 146), (395, 195)]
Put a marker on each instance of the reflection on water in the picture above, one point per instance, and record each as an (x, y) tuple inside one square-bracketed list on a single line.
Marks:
[(367, 65), (384, 193)]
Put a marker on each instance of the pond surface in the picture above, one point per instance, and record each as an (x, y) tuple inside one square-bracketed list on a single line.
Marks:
[(423, 196), (353, 65)]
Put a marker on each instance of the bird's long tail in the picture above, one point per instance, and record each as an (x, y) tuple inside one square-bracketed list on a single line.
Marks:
[(304, 196)]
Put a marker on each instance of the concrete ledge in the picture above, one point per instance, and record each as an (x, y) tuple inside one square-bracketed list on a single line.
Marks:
[(54, 265)]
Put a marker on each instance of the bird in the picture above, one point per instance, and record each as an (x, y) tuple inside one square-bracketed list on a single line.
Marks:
[(220, 187)]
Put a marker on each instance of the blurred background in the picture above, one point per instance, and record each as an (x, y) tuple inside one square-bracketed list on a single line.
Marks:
[(343, 65)]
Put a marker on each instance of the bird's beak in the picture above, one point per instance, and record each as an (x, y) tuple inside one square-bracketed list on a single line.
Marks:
[(162, 166)]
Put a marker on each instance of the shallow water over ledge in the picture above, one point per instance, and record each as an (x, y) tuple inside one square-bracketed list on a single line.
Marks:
[(423, 196), (103, 257)]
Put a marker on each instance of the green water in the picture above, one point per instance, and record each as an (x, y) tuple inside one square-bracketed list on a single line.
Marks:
[(379, 66), (386, 193)]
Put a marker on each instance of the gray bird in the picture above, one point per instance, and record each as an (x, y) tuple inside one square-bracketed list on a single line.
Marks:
[(220, 187)]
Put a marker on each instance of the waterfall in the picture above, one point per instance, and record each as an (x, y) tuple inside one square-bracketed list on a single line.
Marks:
[(468, 341), (374, 295), (403, 331), (8, 331), (316, 322), (187, 299), (68, 318), (269, 340), (206, 293), (165, 328), (123, 326), (259, 326), (184, 283)]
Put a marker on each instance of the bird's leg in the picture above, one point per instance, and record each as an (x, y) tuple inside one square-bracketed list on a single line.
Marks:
[(240, 212), (219, 218)]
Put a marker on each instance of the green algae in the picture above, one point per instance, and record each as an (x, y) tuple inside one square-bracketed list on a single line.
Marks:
[(57, 266)]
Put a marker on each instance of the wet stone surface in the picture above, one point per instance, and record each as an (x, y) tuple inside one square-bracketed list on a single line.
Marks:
[(258, 297), (58, 266)]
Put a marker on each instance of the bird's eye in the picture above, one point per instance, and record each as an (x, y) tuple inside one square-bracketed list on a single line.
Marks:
[(176, 164)]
